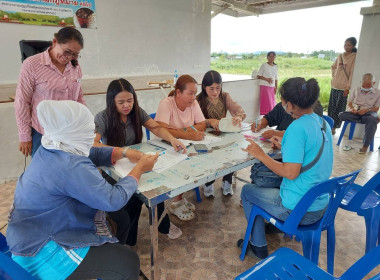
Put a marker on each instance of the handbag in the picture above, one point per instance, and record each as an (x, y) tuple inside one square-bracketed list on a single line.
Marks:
[(263, 177)]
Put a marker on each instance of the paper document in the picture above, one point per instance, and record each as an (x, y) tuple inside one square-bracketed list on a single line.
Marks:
[(165, 161), (245, 126), (255, 134), (207, 140)]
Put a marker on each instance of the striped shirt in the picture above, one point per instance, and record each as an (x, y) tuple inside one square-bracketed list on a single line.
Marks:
[(41, 80)]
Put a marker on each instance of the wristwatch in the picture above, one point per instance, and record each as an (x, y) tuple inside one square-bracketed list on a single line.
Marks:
[(125, 152)]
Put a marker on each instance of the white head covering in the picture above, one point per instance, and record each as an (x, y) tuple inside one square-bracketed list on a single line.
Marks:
[(68, 126)]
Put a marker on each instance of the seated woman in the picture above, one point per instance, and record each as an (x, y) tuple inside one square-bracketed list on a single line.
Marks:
[(181, 115), (214, 103), (300, 145), (119, 125), (57, 226)]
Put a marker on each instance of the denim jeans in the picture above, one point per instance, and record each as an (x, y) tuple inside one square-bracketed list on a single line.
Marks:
[(36, 141), (269, 200)]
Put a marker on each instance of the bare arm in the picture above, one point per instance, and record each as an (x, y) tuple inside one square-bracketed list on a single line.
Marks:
[(131, 154), (163, 133), (283, 169), (188, 132)]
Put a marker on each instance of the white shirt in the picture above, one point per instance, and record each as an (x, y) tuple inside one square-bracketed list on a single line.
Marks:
[(267, 71)]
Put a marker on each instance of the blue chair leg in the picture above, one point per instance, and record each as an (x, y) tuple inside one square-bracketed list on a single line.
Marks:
[(247, 236), (330, 249), (372, 222), (342, 132), (371, 145), (310, 245), (352, 130), (198, 194)]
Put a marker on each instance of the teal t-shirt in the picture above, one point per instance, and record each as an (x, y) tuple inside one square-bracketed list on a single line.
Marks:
[(300, 144)]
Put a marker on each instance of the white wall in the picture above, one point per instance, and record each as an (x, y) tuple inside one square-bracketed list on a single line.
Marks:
[(134, 37)]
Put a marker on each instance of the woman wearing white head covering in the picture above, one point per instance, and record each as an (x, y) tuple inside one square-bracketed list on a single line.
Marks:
[(57, 227)]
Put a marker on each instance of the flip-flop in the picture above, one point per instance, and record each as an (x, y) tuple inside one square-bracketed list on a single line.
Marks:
[(347, 148)]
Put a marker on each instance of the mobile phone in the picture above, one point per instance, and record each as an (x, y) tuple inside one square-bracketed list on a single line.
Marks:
[(201, 148)]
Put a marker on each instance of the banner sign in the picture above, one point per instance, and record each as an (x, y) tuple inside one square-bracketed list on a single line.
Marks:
[(49, 12)]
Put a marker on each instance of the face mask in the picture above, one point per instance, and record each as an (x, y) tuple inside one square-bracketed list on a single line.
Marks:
[(366, 89), (285, 107)]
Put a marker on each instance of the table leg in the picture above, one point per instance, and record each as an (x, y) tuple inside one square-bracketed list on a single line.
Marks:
[(154, 270)]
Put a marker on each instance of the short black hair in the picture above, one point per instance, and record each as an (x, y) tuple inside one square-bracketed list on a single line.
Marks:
[(300, 92)]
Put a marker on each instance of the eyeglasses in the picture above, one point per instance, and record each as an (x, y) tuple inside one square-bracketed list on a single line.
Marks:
[(69, 54)]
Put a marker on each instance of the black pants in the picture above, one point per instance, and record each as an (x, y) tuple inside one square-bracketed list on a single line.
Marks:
[(337, 104), (127, 218), (108, 262), (227, 178)]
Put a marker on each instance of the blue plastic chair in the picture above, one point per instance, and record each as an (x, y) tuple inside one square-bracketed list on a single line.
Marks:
[(310, 235), (285, 264), (329, 120), (197, 191), (365, 201), (351, 134), (9, 269)]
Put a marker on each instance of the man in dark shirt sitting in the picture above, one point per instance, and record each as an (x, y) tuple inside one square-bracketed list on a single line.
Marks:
[(278, 117)]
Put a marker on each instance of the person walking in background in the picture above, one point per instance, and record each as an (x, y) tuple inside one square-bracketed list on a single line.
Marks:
[(51, 75), (268, 84), (342, 71)]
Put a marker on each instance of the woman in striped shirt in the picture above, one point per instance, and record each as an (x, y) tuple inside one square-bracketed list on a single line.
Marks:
[(51, 75)]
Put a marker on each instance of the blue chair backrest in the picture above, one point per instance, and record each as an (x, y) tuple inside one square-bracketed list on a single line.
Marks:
[(329, 120), (147, 130), (9, 269), (336, 188), (372, 185), (363, 266)]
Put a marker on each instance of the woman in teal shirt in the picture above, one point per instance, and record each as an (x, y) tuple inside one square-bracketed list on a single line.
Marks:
[(299, 146)]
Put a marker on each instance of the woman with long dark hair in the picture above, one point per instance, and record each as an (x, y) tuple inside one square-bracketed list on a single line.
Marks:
[(342, 71), (119, 125), (215, 103), (51, 75)]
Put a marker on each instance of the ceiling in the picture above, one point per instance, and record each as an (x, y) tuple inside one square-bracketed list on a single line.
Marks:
[(241, 8)]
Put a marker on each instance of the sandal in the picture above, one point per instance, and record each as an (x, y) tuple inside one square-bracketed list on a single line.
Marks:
[(174, 231), (189, 205), (180, 210), (347, 148), (362, 150)]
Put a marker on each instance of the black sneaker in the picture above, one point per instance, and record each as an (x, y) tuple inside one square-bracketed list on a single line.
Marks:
[(254, 251)]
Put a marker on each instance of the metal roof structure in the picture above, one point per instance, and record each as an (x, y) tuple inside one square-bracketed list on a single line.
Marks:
[(241, 8)]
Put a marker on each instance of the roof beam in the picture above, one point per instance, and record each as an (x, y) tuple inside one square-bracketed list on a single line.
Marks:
[(220, 10), (305, 4), (241, 7)]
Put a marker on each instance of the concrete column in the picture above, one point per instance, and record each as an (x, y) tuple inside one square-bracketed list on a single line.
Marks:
[(368, 56)]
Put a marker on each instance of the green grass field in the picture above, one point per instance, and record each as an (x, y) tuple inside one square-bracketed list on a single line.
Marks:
[(288, 67)]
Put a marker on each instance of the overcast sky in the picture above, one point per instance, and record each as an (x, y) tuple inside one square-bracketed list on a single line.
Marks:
[(323, 28)]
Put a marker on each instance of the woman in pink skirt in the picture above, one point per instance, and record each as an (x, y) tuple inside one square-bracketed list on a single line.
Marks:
[(268, 84)]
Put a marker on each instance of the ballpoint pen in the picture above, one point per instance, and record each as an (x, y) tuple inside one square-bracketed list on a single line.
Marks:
[(193, 128)]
